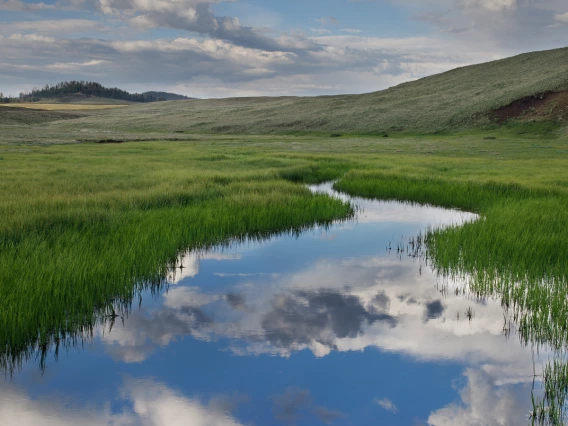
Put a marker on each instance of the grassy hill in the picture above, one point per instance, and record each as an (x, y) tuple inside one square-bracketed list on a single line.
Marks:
[(455, 100)]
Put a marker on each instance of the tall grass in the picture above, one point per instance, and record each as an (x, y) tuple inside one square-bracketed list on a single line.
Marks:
[(517, 251), (91, 233)]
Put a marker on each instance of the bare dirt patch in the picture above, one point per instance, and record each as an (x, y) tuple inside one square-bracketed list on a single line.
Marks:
[(546, 106)]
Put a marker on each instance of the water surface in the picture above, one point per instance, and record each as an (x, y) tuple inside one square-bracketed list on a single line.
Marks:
[(335, 326)]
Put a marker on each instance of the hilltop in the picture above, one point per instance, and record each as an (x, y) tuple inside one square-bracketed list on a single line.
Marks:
[(90, 92), (463, 98)]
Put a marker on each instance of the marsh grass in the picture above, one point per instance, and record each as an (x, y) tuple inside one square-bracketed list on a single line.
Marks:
[(517, 251), (90, 226)]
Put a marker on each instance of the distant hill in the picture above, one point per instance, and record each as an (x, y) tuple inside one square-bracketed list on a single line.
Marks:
[(463, 98), (81, 91)]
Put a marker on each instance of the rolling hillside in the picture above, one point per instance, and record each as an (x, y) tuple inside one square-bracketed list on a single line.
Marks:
[(454, 100), (532, 86)]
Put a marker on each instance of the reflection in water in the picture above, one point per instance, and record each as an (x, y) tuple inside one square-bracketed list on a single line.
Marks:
[(334, 327), (151, 403)]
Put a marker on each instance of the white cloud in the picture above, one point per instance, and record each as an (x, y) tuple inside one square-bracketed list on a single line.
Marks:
[(483, 403), (563, 18), (490, 5), (153, 404), (387, 404), (228, 58), (20, 6), (68, 66)]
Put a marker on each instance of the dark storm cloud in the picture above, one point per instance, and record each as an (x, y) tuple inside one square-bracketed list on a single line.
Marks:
[(434, 309), (302, 317)]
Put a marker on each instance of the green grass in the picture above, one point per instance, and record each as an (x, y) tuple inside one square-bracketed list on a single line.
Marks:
[(89, 224)]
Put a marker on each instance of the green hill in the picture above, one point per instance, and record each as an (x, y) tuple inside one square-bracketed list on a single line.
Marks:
[(455, 100)]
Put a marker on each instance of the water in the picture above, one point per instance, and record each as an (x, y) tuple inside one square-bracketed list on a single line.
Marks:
[(331, 327)]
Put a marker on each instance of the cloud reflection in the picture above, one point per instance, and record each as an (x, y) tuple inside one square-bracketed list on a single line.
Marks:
[(148, 403), (352, 304)]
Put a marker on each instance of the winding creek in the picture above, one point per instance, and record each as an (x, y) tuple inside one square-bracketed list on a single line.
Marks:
[(328, 327)]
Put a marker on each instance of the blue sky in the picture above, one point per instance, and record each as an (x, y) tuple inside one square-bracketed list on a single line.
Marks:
[(216, 48)]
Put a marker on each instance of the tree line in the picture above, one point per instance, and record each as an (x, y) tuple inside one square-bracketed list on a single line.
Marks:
[(89, 88)]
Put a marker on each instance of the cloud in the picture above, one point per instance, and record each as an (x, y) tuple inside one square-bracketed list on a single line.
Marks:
[(328, 416), (152, 404), (513, 26), (320, 30), (327, 20), (20, 6), (217, 68), (287, 406), (302, 318), (53, 27), (294, 403), (196, 16), (434, 309), (563, 18), (484, 402), (387, 404), (236, 301), (490, 5), (187, 264), (218, 56)]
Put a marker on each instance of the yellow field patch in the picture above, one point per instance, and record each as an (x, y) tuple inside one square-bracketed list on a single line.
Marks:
[(61, 107)]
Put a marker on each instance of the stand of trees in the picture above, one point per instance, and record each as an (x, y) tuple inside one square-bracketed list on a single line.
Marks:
[(88, 88)]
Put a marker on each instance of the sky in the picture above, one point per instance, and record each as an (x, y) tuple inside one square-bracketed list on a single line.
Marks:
[(227, 48)]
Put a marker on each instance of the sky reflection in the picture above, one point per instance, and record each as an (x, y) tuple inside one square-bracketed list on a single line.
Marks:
[(327, 328)]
